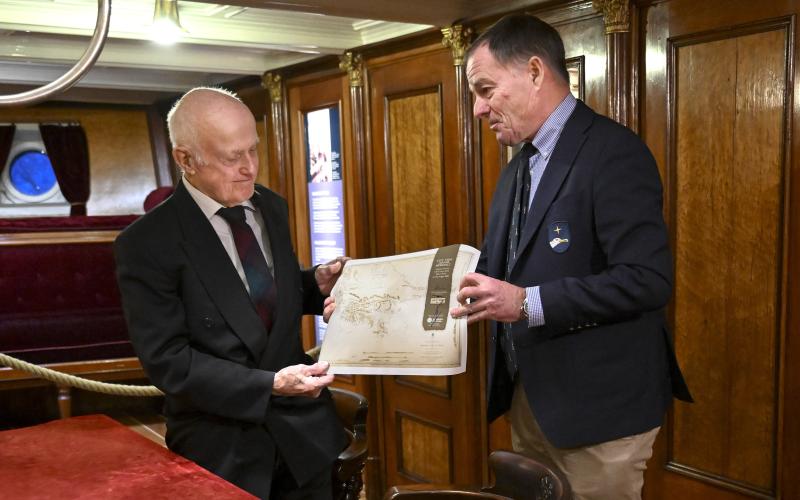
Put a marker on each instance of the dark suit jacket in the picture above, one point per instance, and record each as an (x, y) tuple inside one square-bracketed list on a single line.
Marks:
[(602, 367), (201, 341)]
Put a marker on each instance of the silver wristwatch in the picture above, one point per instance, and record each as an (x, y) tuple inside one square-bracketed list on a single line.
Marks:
[(523, 309)]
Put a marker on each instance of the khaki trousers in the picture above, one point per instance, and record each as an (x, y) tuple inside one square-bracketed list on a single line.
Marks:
[(613, 470)]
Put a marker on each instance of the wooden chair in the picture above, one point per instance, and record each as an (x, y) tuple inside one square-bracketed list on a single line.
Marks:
[(517, 477), (352, 410)]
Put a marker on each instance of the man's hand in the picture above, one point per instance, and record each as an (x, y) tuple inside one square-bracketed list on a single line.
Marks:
[(327, 274), (490, 299), (330, 306), (302, 380)]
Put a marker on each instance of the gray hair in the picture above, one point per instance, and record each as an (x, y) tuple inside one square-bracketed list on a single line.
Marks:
[(518, 37)]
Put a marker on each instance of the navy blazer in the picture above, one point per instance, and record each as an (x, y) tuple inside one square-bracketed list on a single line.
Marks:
[(200, 340), (602, 367)]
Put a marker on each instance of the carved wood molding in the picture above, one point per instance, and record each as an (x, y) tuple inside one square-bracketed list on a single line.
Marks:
[(353, 64), (457, 38), (616, 15), (274, 84)]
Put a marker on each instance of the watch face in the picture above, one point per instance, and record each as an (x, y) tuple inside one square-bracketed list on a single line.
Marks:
[(32, 174)]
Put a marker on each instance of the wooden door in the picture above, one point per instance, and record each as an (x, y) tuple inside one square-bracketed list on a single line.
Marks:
[(431, 425), (718, 115)]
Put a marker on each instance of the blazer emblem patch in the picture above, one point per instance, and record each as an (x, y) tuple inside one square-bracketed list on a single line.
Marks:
[(559, 237)]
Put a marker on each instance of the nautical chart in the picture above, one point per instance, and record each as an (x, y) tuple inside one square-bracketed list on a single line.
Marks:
[(381, 324)]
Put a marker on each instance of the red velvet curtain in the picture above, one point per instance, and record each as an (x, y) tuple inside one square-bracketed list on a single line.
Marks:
[(69, 154), (6, 138)]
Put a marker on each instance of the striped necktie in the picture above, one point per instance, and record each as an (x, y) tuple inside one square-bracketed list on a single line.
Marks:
[(263, 292)]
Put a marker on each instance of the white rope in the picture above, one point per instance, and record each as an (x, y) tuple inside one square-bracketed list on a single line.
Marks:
[(80, 383)]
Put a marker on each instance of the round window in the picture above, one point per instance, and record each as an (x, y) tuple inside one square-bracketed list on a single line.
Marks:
[(31, 174)]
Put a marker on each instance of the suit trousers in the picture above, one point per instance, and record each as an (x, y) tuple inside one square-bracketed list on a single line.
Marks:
[(613, 470), (284, 487)]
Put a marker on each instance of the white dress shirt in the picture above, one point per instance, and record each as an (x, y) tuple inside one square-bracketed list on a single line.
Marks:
[(252, 217)]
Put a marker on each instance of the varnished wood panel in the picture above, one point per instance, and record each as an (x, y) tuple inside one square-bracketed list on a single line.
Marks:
[(415, 150), (120, 157), (263, 154), (436, 385), (425, 451), (768, 122), (422, 199), (586, 37), (728, 238)]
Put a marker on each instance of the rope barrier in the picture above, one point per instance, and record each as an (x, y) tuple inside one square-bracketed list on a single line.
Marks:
[(79, 382)]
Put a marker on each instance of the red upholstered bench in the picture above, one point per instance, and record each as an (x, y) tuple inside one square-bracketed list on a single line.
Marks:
[(94, 457), (59, 302)]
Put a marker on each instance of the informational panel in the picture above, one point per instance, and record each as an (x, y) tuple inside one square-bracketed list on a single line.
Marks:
[(324, 178)]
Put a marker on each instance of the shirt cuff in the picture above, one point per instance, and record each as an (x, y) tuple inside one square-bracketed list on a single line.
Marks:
[(535, 312)]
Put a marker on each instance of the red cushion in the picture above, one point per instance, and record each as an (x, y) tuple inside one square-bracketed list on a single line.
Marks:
[(60, 302), (156, 196), (95, 457)]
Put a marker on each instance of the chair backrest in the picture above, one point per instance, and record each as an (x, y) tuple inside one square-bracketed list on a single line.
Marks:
[(156, 196), (352, 411), (427, 492), (518, 476)]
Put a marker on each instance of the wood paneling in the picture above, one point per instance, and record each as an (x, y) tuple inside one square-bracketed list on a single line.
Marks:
[(415, 144), (718, 80), (722, 138), (120, 158), (586, 37), (728, 200), (422, 199), (425, 451), (436, 385), (263, 153)]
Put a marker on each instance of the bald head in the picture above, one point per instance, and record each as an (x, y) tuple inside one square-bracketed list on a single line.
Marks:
[(214, 142), (187, 119)]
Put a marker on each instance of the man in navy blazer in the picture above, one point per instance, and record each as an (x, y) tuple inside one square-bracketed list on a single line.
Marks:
[(240, 399), (574, 272)]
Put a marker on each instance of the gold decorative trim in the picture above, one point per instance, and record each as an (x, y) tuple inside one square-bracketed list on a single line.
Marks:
[(616, 14), (457, 38), (272, 82), (354, 65)]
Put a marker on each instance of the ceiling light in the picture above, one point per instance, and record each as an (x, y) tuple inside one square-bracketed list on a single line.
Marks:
[(166, 28)]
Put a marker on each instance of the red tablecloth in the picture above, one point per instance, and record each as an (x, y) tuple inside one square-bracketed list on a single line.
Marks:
[(95, 457)]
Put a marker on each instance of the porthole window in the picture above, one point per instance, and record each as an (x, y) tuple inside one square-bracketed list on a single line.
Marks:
[(32, 176), (28, 183)]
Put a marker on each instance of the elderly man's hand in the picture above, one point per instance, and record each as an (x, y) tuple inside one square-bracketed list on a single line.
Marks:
[(327, 274), (302, 380), (490, 299)]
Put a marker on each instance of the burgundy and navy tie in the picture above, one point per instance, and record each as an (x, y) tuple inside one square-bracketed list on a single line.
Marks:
[(262, 286), (519, 214)]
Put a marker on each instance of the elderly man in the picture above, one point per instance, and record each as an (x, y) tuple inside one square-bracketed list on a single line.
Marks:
[(213, 297), (574, 272)]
